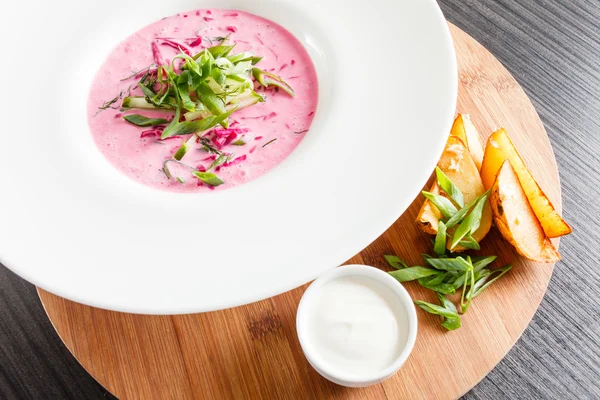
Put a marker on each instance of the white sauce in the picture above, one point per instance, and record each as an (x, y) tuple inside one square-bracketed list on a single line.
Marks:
[(357, 326)]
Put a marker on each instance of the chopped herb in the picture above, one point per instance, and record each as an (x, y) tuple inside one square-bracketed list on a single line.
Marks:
[(484, 282), (109, 104), (436, 283), (453, 322), (466, 297), (268, 79), (189, 127), (458, 264), (200, 92), (208, 146), (208, 178), (440, 240), (140, 120), (446, 275), (437, 310), (222, 159), (166, 169), (220, 50), (180, 180), (134, 74), (481, 262), (396, 262), (449, 187), (269, 142), (412, 273), (444, 205), (469, 243), (471, 222), (185, 147), (458, 217)]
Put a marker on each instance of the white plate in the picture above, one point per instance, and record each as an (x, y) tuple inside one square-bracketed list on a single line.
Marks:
[(73, 225)]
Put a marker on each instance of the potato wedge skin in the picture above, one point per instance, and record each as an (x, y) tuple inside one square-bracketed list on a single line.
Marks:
[(464, 129), (429, 216), (500, 148), (516, 220), (458, 165)]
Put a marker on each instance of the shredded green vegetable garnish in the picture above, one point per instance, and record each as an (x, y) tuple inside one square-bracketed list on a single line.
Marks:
[(447, 273), (199, 91)]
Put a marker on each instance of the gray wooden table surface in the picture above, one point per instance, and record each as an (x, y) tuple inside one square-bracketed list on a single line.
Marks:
[(552, 47)]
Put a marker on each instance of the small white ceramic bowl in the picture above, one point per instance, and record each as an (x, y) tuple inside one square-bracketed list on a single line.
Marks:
[(314, 358)]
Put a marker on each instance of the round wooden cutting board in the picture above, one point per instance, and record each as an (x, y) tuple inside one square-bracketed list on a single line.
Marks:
[(252, 352)]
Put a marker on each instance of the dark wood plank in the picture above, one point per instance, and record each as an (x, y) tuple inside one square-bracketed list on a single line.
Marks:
[(552, 48), (34, 363)]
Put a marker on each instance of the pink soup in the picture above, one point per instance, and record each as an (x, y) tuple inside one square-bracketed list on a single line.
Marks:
[(271, 130)]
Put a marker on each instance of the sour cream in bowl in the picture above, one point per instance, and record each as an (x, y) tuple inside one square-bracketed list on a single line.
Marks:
[(356, 325)]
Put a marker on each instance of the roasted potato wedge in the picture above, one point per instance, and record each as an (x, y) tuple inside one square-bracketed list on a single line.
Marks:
[(464, 129), (458, 165), (429, 216), (516, 220), (500, 148)]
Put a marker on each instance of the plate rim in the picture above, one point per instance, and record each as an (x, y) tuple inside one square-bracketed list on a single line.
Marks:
[(342, 254)]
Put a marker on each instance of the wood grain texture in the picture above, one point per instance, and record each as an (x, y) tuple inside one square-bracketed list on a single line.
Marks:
[(253, 351), (553, 48)]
